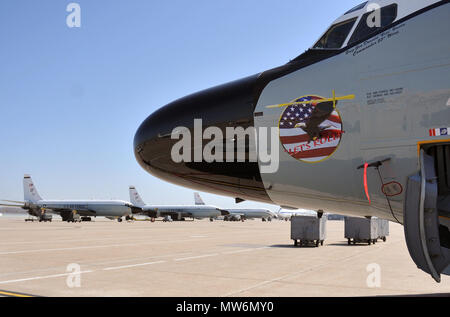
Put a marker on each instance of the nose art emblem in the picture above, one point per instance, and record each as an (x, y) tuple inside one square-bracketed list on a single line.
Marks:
[(311, 127)]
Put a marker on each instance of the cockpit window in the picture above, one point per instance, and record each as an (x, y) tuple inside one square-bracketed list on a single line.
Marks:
[(364, 29), (336, 35), (358, 7)]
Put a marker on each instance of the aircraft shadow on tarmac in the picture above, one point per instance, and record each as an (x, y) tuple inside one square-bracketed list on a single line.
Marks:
[(343, 244), (420, 295), (292, 246)]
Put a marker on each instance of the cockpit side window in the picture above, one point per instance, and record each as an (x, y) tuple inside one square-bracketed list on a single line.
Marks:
[(358, 7), (335, 37), (364, 29)]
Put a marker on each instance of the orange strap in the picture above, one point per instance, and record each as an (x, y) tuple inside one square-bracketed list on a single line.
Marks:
[(366, 188)]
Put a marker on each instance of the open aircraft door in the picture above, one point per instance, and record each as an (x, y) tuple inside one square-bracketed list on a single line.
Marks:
[(426, 212)]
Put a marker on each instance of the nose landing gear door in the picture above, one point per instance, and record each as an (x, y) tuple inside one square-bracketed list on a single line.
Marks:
[(421, 217)]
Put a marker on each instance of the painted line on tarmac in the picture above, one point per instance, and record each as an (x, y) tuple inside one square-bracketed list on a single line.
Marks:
[(94, 247), (197, 257), (296, 274), (61, 241), (41, 277), (245, 250), (14, 294), (131, 266)]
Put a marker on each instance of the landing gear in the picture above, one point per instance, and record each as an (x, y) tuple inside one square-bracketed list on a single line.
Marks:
[(119, 219)]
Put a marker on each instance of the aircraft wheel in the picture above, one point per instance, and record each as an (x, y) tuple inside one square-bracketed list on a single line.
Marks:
[(349, 241), (384, 239), (370, 242), (296, 243), (321, 243), (317, 243)]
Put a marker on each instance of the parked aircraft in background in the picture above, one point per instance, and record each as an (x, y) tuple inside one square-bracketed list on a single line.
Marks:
[(362, 119), (70, 210), (176, 212), (241, 214), (288, 214)]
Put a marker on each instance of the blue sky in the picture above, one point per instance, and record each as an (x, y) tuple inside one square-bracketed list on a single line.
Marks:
[(71, 99)]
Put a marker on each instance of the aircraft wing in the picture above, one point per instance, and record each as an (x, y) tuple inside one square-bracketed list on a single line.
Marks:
[(60, 211)]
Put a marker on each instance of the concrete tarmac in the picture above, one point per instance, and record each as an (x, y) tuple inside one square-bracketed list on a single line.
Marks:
[(219, 259)]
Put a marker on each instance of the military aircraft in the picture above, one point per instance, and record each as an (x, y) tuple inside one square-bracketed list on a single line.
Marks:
[(246, 214), (378, 145), (288, 214), (70, 210), (197, 211), (241, 214)]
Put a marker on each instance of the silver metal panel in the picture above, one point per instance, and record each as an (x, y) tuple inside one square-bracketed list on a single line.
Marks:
[(400, 84), (308, 228), (361, 228)]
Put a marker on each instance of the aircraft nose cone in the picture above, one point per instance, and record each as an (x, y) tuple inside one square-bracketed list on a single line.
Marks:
[(229, 105)]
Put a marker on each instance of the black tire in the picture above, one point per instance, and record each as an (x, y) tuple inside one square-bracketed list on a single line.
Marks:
[(295, 243), (349, 241), (321, 243), (317, 243), (384, 239), (370, 242)]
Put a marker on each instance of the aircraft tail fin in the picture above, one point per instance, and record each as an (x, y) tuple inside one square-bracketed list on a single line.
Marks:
[(198, 200), (135, 198), (30, 192)]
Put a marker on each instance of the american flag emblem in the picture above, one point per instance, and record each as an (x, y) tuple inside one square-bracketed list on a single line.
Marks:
[(439, 132), (310, 132)]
